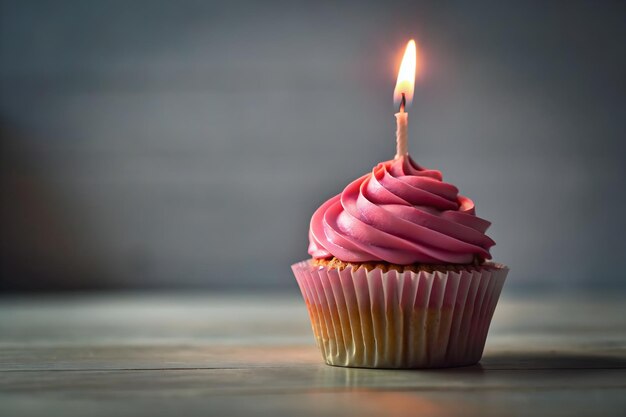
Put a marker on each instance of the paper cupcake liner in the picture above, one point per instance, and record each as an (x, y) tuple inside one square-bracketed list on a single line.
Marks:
[(377, 319)]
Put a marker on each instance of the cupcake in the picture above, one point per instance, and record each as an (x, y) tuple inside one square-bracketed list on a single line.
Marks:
[(400, 275)]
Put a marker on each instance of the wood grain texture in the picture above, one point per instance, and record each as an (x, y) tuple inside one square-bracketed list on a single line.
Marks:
[(254, 355)]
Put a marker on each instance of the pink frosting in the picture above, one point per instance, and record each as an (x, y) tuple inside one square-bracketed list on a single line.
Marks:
[(400, 213)]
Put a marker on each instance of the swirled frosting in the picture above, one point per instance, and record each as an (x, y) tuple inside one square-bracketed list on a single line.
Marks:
[(400, 213)]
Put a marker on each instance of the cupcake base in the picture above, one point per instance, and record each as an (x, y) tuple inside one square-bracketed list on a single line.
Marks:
[(385, 318)]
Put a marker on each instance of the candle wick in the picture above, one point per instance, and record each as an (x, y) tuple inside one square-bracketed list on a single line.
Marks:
[(402, 103)]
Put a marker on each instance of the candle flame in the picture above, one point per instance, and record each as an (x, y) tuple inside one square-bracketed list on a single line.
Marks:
[(406, 77)]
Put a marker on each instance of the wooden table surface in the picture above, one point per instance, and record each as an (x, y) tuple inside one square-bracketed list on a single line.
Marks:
[(232, 355)]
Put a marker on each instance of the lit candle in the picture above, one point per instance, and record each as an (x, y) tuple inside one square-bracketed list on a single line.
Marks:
[(403, 96)]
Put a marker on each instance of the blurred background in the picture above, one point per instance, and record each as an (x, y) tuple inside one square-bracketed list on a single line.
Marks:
[(160, 145)]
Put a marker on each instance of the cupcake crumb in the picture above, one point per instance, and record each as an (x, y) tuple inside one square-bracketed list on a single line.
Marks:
[(385, 266)]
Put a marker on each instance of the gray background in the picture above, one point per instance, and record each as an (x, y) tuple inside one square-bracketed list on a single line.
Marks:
[(183, 144)]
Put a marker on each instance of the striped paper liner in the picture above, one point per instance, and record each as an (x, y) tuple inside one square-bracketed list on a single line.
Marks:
[(377, 319)]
